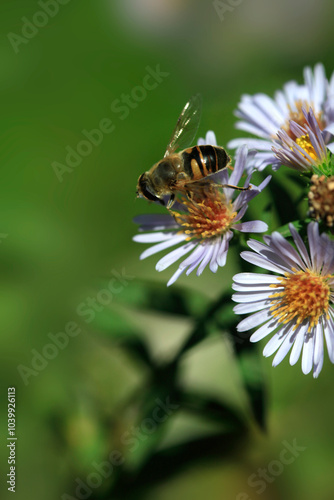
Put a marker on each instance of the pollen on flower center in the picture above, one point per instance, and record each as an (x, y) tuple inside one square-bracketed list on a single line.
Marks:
[(305, 143), (207, 217), (305, 295)]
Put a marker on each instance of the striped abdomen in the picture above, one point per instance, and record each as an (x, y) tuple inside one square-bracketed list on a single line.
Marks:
[(200, 161)]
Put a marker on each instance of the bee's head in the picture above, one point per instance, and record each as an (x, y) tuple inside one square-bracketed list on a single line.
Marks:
[(145, 189)]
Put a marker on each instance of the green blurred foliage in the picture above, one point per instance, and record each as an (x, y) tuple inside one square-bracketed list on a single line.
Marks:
[(64, 239)]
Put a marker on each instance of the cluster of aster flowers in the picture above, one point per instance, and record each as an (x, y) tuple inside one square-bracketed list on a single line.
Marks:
[(294, 304)]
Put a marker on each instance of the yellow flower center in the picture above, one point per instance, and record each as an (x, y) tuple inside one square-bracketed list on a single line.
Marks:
[(304, 142), (207, 217), (305, 295)]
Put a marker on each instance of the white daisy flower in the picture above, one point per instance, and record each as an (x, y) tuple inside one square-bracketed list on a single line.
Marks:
[(264, 117), (203, 225), (294, 305)]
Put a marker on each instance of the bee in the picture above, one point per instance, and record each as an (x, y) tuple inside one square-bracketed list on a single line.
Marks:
[(184, 171)]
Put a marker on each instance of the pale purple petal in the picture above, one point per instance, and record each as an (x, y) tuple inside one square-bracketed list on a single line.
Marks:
[(300, 245), (254, 320), (175, 276), (206, 259), (162, 246), (285, 347), (264, 331), (251, 296), (153, 237), (254, 278), (213, 263), (329, 336), (298, 345), (249, 307), (173, 256), (318, 358), (308, 354), (255, 226), (275, 342)]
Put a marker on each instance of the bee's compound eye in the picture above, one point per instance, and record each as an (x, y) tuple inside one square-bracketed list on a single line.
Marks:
[(145, 191)]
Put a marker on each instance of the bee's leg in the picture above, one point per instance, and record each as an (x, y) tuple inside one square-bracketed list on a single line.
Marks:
[(171, 201), (189, 194), (236, 187), (231, 186)]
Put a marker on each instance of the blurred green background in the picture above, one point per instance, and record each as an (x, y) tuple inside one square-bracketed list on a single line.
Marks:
[(60, 239)]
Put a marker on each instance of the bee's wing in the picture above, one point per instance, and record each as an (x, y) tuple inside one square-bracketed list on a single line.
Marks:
[(186, 126)]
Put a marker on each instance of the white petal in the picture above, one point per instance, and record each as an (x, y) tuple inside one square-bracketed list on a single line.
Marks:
[(255, 288), (271, 109), (224, 246), (318, 358), (195, 256), (153, 237), (285, 347), (274, 343), (329, 336), (251, 129), (259, 118), (254, 320), (206, 259), (213, 262), (175, 276), (239, 165), (263, 331), (194, 259), (254, 226), (283, 246), (308, 353), (330, 128), (298, 345), (251, 143), (250, 307), (173, 256), (260, 261), (300, 245), (251, 297), (162, 246), (313, 241), (211, 138), (254, 278)]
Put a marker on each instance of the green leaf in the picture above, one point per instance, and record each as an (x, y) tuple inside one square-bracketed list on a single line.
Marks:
[(166, 463), (285, 206), (251, 370), (211, 408)]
